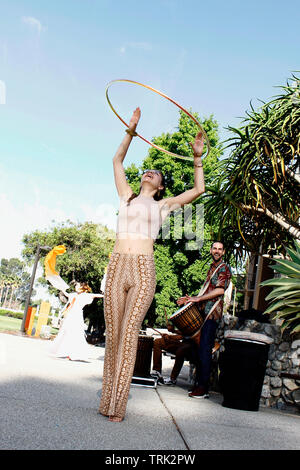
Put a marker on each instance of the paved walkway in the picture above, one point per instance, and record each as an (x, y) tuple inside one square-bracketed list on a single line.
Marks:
[(48, 403)]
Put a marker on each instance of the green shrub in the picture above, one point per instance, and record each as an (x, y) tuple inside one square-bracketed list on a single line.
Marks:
[(9, 313), (285, 296)]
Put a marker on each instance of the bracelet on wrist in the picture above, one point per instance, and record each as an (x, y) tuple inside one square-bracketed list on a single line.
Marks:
[(198, 166), (131, 132)]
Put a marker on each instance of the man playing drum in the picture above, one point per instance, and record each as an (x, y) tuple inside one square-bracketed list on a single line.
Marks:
[(211, 302), (177, 344)]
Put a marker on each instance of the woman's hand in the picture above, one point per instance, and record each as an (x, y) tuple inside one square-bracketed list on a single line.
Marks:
[(134, 119), (198, 145), (123, 188)]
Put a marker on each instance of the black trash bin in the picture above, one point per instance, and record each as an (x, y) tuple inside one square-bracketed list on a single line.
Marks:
[(242, 369)]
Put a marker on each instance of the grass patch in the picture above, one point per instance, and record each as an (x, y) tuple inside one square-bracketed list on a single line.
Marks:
[(10, 323), (14, 324)]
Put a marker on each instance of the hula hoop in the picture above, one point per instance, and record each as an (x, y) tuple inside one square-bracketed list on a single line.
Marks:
[(183, 157)]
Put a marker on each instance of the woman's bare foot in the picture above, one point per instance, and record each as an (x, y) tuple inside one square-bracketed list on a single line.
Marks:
[(115, 419)]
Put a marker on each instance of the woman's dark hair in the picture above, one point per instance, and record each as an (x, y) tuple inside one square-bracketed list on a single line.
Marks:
[(157, 196), (85, 287)]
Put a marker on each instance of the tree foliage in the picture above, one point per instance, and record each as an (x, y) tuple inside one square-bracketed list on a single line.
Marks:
[(14, 278), (255, 196), (87, 248), (285, 296), (87, 253)]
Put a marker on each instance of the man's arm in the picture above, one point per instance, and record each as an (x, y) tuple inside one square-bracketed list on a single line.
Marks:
[(203, 298), (172, 329), (224, 277)]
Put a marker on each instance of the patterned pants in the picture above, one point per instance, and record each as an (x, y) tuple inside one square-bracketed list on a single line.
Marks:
[(129, 291)]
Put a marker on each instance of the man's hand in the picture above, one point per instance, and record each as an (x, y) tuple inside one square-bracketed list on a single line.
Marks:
[(182, 300), (186, 299), (193, 299), (170, 328)]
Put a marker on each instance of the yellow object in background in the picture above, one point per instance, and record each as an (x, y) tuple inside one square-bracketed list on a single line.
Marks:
[(50, 268), (31, 321), (28, 317), (43, 317), (50, 260)]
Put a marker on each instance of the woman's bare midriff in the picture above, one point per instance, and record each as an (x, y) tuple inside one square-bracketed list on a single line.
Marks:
[(133, 245)]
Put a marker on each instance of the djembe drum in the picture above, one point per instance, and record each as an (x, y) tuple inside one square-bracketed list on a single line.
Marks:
[(188, 319), (143, 356)]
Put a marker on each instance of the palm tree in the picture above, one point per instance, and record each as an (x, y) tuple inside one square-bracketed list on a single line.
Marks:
[(14, 285), (2, 285), (7, 284), (256, 197)]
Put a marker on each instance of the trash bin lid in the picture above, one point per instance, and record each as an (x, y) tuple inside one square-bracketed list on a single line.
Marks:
[(248, 336)]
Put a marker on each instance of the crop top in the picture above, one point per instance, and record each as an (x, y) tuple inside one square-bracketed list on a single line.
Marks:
[(142, 217)]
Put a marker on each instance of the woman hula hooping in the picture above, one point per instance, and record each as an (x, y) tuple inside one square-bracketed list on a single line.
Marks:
[(130, 282)]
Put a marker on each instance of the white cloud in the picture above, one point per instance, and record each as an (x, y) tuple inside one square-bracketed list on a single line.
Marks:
[(144, 46), (3, 52), (34, 23), (16, 221), (24, 209), (104, 214), (2, 92)]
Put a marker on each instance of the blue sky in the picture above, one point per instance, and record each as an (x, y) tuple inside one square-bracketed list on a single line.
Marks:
[(58, 134)]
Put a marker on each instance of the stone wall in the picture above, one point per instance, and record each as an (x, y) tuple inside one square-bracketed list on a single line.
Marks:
[(284, 356)]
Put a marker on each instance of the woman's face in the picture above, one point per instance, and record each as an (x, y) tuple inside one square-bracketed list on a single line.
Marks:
[(78, 287), (153, 177)]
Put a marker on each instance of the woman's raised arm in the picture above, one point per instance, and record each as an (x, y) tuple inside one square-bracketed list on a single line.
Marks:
[(199, 186), (123, 188)]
